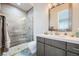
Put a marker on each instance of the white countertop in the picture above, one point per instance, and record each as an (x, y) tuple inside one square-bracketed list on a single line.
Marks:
[(60, 38)]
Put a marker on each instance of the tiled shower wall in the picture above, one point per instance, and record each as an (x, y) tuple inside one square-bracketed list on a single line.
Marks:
[(19, 24)]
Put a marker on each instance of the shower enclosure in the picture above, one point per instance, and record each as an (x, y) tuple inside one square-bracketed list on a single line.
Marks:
[(19, 24), (23, 32)]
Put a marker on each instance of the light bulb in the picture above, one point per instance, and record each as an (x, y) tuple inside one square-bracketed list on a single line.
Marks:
[(49, 6), (18, 3), (54, 4)]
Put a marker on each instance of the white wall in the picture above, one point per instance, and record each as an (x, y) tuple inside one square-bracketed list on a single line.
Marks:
[(75, 17), (40, 18)]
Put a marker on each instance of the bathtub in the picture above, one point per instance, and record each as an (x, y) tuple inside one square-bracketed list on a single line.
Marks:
[(16, 49)]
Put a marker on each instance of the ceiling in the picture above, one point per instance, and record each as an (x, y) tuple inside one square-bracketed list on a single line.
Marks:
[(23, 6)]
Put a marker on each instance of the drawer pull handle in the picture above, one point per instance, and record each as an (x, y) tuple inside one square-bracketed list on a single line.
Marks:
[(76, 49)]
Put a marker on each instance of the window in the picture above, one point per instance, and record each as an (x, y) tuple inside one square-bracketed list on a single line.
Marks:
[(63, 18)]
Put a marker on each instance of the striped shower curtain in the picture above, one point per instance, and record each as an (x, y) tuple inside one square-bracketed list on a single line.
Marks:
[(4, 40)]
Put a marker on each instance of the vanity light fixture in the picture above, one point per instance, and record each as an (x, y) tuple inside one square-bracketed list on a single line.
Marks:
[(50, 5), (18, 3), (53, 5)]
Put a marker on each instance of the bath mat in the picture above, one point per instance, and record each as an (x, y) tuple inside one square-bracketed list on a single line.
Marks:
[(25, 52)]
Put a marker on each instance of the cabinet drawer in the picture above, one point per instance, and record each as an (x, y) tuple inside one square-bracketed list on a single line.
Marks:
[(71, 54), (52, 51), (40, 39), (73, 47), (52, 42)]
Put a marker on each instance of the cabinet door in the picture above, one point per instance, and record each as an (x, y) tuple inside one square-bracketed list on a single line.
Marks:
[(73, 47), (52, 51), (40, 49), (0, 53), (71, 54)]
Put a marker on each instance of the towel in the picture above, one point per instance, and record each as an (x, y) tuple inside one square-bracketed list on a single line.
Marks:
[(4, 37), (0, 35), (32, 46)]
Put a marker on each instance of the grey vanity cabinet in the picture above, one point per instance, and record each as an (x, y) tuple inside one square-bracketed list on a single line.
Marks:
[(52, 51), (51, 47)]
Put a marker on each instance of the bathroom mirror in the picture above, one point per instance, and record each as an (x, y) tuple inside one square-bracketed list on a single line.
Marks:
[(60, 17)]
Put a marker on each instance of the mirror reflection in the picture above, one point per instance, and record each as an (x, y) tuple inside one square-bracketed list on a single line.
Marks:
[(60, 17)]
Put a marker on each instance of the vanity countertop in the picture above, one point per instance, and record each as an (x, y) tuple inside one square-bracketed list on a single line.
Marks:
[(60, 38)]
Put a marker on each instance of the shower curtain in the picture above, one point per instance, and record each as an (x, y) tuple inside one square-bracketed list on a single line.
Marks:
[(4, 39)]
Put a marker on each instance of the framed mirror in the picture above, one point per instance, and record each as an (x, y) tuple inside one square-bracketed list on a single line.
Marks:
[(60, 17)]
